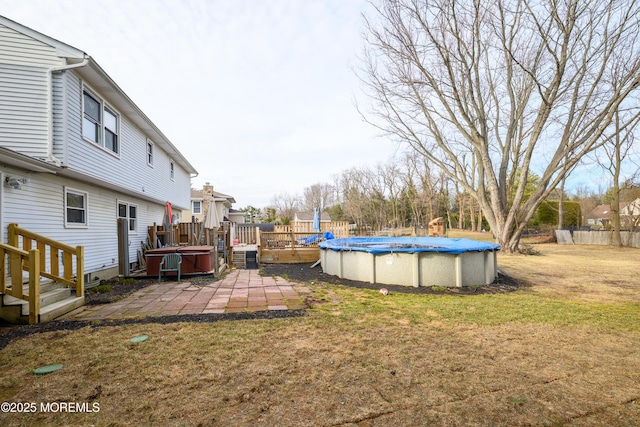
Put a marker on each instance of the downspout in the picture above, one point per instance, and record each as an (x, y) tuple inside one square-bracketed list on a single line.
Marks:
[(50, 157)]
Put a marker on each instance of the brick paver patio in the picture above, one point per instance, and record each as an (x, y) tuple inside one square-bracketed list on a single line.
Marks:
[(240, 290)]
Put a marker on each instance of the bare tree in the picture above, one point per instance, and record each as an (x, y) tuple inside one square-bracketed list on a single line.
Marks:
[(318, 196), (521, 85), (286, 206), (616, 151)]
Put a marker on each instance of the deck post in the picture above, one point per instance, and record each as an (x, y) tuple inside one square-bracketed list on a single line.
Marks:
[(34, 286), (80, 271)]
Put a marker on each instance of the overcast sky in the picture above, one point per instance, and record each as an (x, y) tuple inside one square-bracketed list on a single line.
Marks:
[(257, 94)]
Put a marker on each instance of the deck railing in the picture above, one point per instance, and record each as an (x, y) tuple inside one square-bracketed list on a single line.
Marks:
[(17, 258), (291, 240), (337, 228), (30, 252)]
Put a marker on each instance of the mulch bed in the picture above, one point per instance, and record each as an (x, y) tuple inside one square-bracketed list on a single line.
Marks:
[(304, 273)]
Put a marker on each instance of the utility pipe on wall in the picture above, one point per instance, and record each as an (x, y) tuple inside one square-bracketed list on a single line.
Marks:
[(50, 157)]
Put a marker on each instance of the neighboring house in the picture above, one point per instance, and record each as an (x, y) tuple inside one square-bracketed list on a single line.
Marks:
[(308, 217), (202, 199), (630, 215), (599, 217), (76, 153), (237, 216)]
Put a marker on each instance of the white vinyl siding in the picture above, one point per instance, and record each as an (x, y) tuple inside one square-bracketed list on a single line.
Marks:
[(129, 169), (45, 193), (18, 48), (24, 116)]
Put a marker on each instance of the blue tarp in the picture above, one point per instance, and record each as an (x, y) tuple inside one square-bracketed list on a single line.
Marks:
[(383, 245)]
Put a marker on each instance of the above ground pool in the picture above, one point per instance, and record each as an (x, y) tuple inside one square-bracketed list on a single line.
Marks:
[(411, 261)]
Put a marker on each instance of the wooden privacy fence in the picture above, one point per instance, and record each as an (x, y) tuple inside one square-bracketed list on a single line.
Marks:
[(184, 234), (339, 229), (40, 256)]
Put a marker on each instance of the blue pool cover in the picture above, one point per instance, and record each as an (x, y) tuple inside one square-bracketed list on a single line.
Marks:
[(383, 245)]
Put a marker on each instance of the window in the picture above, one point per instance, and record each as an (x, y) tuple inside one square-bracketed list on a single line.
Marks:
[(197, 207), (149, 152), (99, 123), (75, 205), (110, 130), (172, 169), (129, 212), (91, 122)]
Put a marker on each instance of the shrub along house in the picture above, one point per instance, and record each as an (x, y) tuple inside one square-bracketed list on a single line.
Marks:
[(76, 154)]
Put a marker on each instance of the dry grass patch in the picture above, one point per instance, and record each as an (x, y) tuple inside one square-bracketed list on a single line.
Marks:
[(585, 273), (550, 355), (319, 372)]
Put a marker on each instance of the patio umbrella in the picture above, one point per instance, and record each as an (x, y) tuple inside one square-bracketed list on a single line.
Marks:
[(168, 220), (211, 220), (316, 220)]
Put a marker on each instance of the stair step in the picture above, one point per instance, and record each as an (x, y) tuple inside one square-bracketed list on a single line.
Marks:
[(50, 295), (49, 298), (45, 286), (60, 308)]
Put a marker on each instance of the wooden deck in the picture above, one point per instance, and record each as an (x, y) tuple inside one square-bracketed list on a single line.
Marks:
[(289, 248), (288, 256)]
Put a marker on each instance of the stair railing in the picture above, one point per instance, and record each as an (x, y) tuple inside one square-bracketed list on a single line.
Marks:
[(18, 258), (56, 252)]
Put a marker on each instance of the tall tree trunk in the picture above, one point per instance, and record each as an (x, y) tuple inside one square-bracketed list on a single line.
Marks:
[(616, 239), (472, 215)]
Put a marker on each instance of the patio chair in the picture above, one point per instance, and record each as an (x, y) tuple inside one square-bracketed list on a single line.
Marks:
[(170, 262)]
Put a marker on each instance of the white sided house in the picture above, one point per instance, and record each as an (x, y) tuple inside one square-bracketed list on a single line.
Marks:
[(76, 153)]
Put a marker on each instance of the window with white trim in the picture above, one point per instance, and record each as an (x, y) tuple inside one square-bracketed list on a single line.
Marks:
[(75, 208), (129, 212), (172, 170), (149, 152), (100, 123), (196, 207)]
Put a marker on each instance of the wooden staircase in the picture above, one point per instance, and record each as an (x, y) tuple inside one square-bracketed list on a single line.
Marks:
[(55, 300), (239, 260), (40, 278)]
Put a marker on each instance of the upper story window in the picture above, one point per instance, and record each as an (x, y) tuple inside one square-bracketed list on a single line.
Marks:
[(100, 123), (172, 170), (149, 152), (110, 130), (75, 206), (197, 207)]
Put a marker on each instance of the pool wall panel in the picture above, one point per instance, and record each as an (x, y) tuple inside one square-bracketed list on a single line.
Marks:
[(412, 269)]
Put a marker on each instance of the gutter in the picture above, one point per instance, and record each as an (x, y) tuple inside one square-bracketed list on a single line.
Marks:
[(50, 157)]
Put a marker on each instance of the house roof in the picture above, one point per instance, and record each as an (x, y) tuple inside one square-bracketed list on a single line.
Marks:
[(99, 79), (217, 196), (600, 211), (222, 196), (308, 216)]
